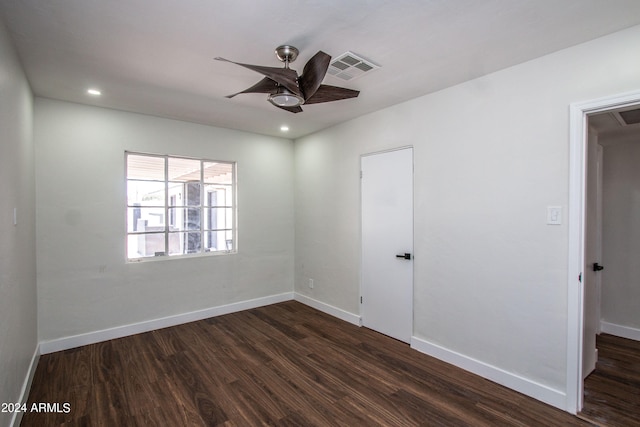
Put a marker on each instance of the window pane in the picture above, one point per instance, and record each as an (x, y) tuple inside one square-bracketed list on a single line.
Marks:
[(218, 241), (145, 245), (192, 194), (184, 169), (184, 193), (218, 195), (228, 218), (184, 243), (145, 167), (145, 219), (218, 173), (183, 219), (145, 193), (218, 218), (176, 194)]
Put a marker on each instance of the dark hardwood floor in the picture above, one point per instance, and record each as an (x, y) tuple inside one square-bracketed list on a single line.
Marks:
[(282, 365), (612, 391)]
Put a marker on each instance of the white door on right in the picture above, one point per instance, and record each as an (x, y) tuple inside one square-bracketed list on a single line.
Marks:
[(592, 275), (387, 242)]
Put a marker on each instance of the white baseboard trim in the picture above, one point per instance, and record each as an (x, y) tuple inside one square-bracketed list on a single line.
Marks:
[(329, 309), (515, 382), (26, 387), (620, 331), (150, 325)]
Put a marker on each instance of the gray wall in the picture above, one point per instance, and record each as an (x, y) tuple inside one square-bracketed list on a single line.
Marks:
[(490, 156), (18, 317), (84, 283)]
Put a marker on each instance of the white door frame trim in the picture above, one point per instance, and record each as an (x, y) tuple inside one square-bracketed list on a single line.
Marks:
[(578, 133)]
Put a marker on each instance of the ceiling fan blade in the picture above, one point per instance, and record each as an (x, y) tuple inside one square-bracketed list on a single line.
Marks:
[(284, 76), (313, 73), (326, 93), (296, 109), (266, 85)]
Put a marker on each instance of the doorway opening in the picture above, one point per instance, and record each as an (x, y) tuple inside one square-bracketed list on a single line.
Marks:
[(584, 292)]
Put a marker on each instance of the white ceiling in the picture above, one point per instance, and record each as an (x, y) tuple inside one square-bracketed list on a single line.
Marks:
[(156, 56)]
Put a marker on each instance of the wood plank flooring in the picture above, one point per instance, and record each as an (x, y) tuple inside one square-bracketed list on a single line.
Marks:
[(612, 391), (281, 365)]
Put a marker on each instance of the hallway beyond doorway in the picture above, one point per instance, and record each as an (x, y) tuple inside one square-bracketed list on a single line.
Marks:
[(611, 392)]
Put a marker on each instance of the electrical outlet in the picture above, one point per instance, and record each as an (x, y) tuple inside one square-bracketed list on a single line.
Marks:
[(310, 283)]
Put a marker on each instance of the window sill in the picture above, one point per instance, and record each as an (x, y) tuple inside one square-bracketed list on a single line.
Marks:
[(178, 257)]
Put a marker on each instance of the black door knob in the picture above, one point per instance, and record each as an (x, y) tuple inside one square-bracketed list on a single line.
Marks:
[(597, 267), (405, 256)]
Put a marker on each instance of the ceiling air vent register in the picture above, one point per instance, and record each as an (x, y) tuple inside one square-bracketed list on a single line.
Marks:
[(349, 66), (631, 117)]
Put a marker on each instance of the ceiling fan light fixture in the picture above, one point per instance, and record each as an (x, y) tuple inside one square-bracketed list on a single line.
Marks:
[(284, 98)]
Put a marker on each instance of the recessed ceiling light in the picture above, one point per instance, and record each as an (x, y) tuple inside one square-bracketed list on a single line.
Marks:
[(94, 92), (284, 128)]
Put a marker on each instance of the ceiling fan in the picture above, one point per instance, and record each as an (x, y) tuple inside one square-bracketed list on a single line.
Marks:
[(289, 91)]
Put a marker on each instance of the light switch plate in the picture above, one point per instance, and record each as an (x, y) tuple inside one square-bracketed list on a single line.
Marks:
[(554, 215)]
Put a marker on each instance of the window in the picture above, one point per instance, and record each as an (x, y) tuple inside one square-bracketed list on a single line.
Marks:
[(178, 206)]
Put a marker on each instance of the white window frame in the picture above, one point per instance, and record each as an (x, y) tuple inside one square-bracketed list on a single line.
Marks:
[(169, 211)]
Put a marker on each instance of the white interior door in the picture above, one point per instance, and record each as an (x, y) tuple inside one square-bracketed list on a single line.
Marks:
[(387, 243), (593, 255)]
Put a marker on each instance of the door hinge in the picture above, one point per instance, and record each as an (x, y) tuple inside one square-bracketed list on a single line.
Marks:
[(580, 278), (360, 174), (360, 300)]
